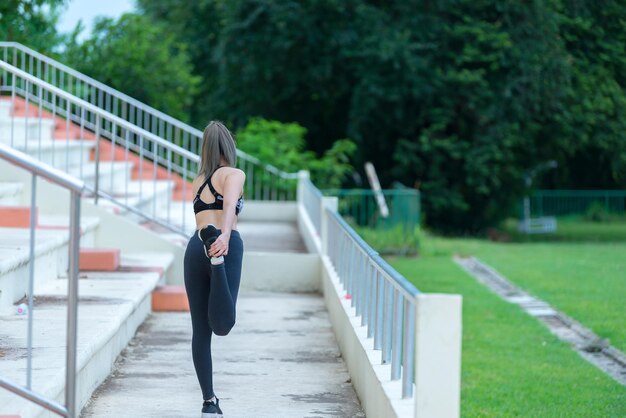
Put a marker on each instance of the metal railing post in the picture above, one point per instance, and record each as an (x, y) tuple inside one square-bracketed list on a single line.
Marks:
[(76, 187), (302, 176), (408, 348), (31, 280), (330, 203), (72, 305), (97, 157)]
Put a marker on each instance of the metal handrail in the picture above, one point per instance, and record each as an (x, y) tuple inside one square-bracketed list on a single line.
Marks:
[(45, 97), (76, 188), (152, 120), (33, 165), (403, 284), (98, 111), (383, 298)]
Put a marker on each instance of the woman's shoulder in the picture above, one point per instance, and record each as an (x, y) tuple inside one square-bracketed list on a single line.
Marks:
[(196, 183), (228, 171)]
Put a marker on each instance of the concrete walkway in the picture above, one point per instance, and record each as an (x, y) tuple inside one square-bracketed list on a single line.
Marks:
[(280, 360)]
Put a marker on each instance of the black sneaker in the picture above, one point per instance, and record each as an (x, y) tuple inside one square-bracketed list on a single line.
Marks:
[(212, 409), (208, 235)]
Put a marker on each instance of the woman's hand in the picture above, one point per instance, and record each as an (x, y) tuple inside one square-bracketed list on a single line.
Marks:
[(220, 246)]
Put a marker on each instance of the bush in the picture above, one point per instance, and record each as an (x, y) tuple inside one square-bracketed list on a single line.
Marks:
[(282, 145), (391, 241), (597, 212)]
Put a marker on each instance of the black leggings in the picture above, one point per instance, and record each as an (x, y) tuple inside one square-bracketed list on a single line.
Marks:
[(212, 293)]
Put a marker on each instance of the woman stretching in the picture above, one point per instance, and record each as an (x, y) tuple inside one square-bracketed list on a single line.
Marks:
[(214, 253)]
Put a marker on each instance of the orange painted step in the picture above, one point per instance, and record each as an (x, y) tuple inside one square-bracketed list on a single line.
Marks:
[(170, 298), (16, 216), (99, 259), (63, 132)]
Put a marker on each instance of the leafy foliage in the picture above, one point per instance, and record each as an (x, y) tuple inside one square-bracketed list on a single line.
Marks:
[(141, 59), (391, 241), (460, 98), (282, 145), (31, 22)]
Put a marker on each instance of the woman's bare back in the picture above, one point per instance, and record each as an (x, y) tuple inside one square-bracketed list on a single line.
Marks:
[(213, 216)]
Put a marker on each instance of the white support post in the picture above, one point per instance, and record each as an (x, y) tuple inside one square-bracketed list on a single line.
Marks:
[(438, 356), (332, 203), (302, 175)]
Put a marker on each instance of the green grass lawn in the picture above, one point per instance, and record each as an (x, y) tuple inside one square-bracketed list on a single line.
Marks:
[(585, 280), (512, 366)]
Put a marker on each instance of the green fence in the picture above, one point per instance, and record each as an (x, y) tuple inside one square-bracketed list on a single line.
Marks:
[(360, 207), (576, 202)]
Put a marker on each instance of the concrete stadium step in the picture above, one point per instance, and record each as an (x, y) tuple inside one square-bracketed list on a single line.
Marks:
[(59, 154), (149, 197), (17, 107), (280, 360), (267, 226), (144, 195), (285, 237), (5, 108), (13, 111), (111, 307), (10, 193), (51, 255), (112, 174), (69, 154), (17, 131), (275, 258)]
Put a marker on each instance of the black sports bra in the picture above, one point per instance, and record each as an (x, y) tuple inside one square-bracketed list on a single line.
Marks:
[(199, 205)]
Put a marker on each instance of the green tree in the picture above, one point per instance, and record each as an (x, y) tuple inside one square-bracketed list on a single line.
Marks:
[(496, 77), (196, 24), (282, 145), (594, 125), (31, 22), (459, 97), (141, 59)]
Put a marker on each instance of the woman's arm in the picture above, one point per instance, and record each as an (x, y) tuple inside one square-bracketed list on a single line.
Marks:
[(233, 185)]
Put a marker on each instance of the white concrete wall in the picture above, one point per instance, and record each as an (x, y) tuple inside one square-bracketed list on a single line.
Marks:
[(269, 211), (281, 272), (379, 396), (311, 239), (438, 355)]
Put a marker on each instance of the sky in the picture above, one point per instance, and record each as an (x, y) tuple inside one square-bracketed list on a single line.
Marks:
[(87, 10)]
